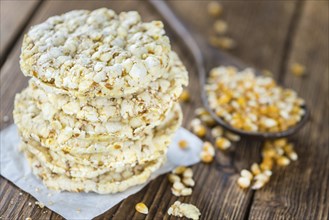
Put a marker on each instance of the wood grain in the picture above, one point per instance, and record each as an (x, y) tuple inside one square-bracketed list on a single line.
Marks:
[(216, 194), (13, 17), (301, 191)]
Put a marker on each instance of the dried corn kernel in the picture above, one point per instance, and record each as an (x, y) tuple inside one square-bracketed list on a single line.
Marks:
[(222, 143), (280, 142), (186, 192), (185, 96), (179, 170), (220, 26), (182, 144), (173, 178), (244, 182), (217, 131), (246, 173), (257, 185), (200, 131), (215, 9), (282, 161), (255, 169), (293, 156), (225, 43), (201, 111), (178, 186), (188, 182), (208, 120), (142, 208), (297, 69), (188, 173), (231, 136), (195, 122), (206, 157)]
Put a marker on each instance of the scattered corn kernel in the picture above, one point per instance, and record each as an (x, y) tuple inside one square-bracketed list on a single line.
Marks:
[(293, 156), (246, 173), (188, 182), (206, 157), (244, 182), (142, 208), (215, 9), (186, 192), (220, 26), (182, 144), (200, 131), (282, 161), (217, 131), (255, 169), (195, 122), (225, 43), (222, 143), (179, 170), (178, 186), (185, 96), (208, 120), (297, 69), (201, 111), (173, 178), (257, 185), (188, 173), (231, 136), (175, 192)]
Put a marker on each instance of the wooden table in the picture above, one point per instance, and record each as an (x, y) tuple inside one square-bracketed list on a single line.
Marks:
[(270, 35)]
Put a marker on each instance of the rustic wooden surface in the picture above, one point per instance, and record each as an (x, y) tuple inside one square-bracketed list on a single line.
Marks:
[(270, 35)]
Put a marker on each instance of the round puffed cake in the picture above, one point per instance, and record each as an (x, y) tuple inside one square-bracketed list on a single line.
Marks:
[(100, 117), (60, 159), (103, 184), (98, 53)]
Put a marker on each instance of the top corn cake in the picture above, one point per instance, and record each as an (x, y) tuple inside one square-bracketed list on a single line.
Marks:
[(96, 53)]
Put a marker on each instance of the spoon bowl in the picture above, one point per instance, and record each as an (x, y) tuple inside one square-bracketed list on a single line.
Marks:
[(209, 58)]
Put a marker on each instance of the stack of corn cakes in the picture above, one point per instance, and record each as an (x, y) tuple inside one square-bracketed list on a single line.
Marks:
[(101, 106)]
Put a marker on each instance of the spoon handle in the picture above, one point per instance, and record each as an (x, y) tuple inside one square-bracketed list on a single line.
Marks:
[(164, 10)]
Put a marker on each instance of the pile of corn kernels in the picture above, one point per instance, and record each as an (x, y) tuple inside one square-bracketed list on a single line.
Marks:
[(252, 103), (278, 152)]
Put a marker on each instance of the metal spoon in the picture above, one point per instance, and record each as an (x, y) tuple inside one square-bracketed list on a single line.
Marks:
[(214, 56)]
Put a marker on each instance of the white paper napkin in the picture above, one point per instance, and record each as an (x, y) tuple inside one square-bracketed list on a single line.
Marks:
[(15, 168)]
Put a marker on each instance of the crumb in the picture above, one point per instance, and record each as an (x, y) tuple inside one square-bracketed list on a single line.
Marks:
[(49, 195), (78, 210), (184, 210), (37, 189), (28, 218), (20, 193), (30, 203)]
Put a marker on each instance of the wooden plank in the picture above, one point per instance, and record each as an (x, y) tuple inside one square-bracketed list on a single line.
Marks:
[(13, 16), (258, 27), (216, 193), (301, 190)]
